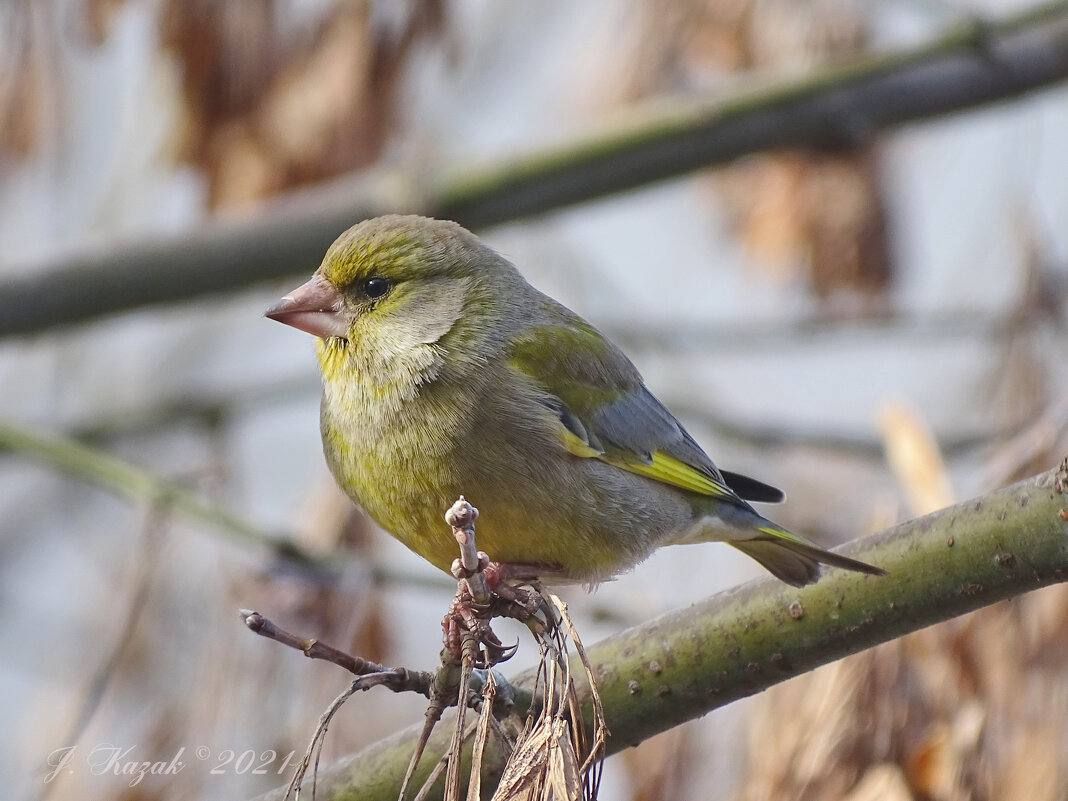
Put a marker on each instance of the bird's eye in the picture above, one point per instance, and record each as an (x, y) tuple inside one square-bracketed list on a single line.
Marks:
[(375, 286)]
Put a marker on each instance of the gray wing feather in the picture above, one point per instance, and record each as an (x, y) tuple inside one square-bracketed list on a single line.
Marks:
[(639, 424)]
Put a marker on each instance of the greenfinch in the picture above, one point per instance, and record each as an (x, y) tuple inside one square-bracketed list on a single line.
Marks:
[(446, 373)]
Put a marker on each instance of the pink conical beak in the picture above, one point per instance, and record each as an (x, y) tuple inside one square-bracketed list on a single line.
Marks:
[(316, 307)]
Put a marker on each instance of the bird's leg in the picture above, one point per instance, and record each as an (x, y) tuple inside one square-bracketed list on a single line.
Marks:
[(486, 590), (506, 598), (467, 613)]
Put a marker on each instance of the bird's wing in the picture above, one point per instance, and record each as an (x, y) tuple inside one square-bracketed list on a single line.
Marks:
[(605, 411)]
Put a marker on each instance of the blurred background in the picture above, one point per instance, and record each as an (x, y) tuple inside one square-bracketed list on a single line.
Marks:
[(877, 327)]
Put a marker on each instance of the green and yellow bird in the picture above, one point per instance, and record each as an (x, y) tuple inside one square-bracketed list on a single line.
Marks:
[(446, 373)]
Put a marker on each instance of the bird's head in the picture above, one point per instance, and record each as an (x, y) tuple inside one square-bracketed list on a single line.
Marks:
[(392, 284)]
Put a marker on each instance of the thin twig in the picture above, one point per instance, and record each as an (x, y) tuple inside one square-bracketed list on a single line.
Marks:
[(397, 679)]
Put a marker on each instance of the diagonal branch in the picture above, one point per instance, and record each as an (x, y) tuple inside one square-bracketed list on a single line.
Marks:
[(132, 482), (87, 463), (839, 106), (737, 643)]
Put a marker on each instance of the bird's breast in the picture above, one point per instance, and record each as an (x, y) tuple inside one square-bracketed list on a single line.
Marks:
[(406, 456)]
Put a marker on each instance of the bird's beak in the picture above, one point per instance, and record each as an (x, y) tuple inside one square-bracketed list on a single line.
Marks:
[(316, 307)]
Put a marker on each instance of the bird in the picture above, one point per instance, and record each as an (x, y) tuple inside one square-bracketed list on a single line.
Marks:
[(446, 373)]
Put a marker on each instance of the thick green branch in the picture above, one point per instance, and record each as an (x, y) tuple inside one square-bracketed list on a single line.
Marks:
[(681, 665), (839, 106), (743, 641)]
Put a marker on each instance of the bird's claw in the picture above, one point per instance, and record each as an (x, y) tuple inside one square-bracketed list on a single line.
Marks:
[(467, 615), (497, 653), (461, 618)]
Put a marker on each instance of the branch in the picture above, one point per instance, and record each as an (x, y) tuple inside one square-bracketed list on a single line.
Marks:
[(838, 106), (397, 679), (737, 643), (138, 485), (130, 481)]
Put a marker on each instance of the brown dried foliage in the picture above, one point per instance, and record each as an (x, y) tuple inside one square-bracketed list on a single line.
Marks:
[(970, 709), (820, 214), (25, 85), (266, 110), (659, 768)]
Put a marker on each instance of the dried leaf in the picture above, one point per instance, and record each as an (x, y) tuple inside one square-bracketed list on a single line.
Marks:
[(881, 783), (915, 458)]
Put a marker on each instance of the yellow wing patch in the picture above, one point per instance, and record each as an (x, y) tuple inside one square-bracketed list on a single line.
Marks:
[(671, 471), (663, 468), (577, 445)]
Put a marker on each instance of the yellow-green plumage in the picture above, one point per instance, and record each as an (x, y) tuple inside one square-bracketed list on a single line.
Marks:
[(446, 373)]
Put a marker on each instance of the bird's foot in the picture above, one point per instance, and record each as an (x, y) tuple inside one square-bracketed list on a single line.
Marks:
[(473, 612)]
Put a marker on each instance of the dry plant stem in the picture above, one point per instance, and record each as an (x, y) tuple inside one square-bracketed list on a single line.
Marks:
[(468, 652), (486, 721), (600, 726), (841, 105), (554, 754), (445, 690), (449, 684), (430, 787), (430, 721), (737, 643), (315, 747)]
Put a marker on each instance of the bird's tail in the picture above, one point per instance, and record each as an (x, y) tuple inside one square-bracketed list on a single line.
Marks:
[(794, 559)]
